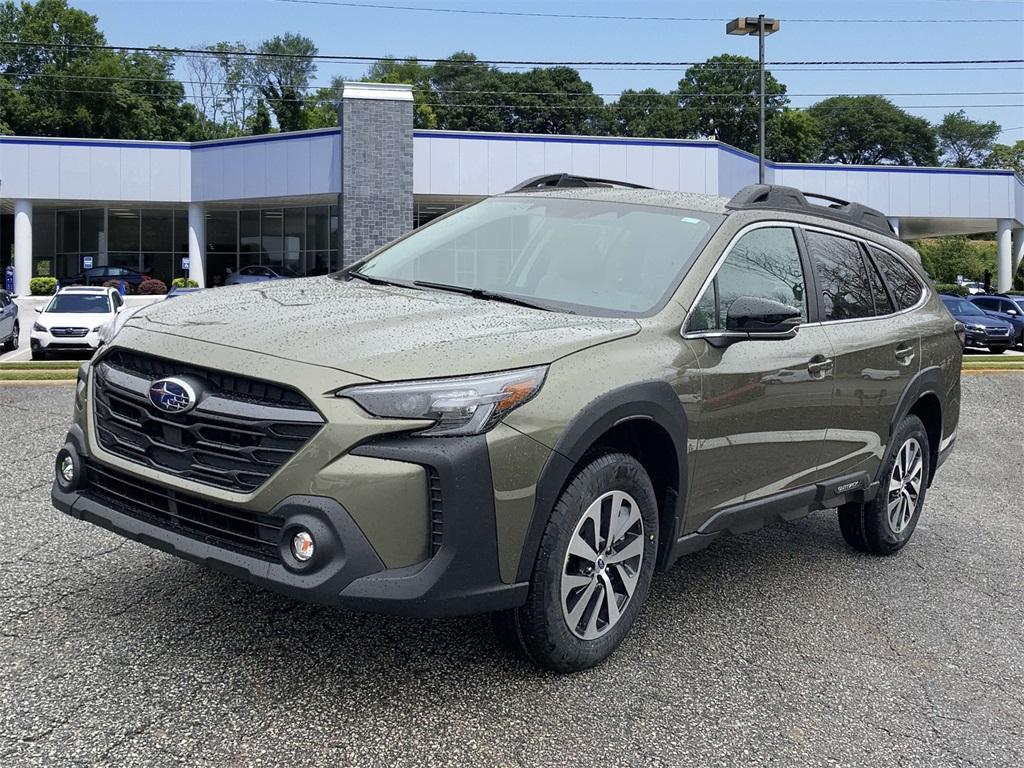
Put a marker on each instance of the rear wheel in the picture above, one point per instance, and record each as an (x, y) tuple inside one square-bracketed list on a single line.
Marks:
[(885, 524), (593, 569), (12, 343)]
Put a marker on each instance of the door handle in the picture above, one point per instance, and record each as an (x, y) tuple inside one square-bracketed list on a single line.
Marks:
[(819, 366), (904, 355)]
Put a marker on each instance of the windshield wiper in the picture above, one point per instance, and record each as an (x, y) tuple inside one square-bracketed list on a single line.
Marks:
[(379, 280), (480, 293)]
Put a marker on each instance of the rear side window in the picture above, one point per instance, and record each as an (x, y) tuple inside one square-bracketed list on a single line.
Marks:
[(906, 289), (764, 264), (845, 289), (883, 305)]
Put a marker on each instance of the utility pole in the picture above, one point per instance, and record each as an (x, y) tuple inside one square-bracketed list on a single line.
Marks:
[(762, 27)]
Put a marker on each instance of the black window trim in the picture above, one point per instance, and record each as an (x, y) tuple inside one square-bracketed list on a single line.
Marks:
[(866, 245), (710, 282), (871, 265)]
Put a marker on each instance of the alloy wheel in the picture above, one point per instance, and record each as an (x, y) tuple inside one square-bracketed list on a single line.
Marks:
[(602, 565), (905, 485), (15, 340)]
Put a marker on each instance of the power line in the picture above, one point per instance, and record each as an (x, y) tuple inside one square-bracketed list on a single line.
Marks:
[(611, 17), (477, 62)]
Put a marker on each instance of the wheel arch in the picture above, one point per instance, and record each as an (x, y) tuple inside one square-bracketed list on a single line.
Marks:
[(645, 420), (923, 398)]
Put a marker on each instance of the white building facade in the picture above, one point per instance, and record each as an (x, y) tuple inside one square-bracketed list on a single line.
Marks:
[(202, 210)]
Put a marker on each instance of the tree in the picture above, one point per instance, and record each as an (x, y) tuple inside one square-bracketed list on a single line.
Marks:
[(553, 100), (284, 70), (649, 113), (963, 142), (70, 90), (259, 121), (871, 130), (720, 97), (410, 71), (947, 258), (794, 136), (241, 89), (1007, 156), (470, 95)]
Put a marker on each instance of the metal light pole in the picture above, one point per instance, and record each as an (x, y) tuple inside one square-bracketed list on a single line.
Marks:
[(762, 27)]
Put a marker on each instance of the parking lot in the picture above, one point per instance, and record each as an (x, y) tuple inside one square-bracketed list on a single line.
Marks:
[(781, 647)]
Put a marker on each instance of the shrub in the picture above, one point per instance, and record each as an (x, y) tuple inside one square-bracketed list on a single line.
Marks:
[(952, 289), (112, 284), (182, 282), (43, 286), (152, 287)]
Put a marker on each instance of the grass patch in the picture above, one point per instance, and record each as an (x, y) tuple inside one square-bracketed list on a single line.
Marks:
[(56, 365), (38, 375)]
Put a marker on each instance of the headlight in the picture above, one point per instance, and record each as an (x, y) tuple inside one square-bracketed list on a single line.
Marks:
[(975, 327), (40, 328), (463, 406)]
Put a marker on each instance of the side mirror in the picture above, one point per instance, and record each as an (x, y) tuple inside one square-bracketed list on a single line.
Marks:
[(1011, 312), (762, 318), (39, 310)]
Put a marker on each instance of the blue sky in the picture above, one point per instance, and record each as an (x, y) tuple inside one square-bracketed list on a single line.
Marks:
[(364, 31)]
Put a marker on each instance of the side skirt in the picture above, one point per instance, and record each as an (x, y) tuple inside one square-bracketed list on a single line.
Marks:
[(788, 505)]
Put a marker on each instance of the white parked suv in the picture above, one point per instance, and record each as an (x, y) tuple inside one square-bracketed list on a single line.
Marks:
[(72, 320)]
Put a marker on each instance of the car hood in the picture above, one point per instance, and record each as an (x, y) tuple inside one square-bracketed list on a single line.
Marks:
[(987, 321), (73, 319), (379, 332)]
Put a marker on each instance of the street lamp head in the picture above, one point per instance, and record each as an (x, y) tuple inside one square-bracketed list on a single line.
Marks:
[(747, 25)]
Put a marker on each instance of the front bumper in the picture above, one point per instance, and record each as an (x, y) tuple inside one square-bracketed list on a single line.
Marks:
[(47, 341), (462, 576)]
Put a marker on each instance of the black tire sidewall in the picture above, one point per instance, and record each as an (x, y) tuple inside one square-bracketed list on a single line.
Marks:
[(541, 624), (876, 522)]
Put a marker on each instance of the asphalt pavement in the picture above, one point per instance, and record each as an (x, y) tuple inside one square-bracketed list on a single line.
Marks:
[(781, 647)]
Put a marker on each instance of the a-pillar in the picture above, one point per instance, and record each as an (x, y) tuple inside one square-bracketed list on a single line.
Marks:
[(376, 200), (1004, 260), (197, 243), (22, 246), (894, 222)]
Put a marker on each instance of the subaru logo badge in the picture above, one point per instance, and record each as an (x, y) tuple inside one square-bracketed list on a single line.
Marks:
[(172, 395)]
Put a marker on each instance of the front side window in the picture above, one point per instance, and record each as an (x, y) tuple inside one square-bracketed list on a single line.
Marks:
[(763, 264), (906, 289), (79, 304), (845, 289), (589, 256)]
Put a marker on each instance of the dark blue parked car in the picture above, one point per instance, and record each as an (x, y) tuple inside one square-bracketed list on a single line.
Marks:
[(1009, 309), (981, 330)]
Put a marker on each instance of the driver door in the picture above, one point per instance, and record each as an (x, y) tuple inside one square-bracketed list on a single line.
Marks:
[(765, 405)]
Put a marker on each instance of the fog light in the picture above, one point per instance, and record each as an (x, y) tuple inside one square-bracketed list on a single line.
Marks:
[(67, 469), (302, 546)]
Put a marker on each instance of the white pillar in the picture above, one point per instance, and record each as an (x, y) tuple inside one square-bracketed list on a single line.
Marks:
[(1017, 248), (894, 222), (22, 246), (197, 243), (1005, 268)]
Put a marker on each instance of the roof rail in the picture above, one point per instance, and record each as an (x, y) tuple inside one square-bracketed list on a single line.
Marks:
[(567, 180), (776, 197)]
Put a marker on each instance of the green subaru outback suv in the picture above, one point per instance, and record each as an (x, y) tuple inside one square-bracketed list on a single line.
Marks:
[(529, 406)]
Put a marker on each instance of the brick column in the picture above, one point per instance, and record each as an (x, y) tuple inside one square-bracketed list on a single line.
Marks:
[(375, 205)]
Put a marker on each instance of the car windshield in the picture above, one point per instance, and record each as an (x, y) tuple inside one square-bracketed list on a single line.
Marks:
[(962, 307), (79, 303), (595, 257)]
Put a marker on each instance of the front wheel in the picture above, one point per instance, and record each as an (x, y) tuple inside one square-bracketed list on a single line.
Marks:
[(12, 343), (593, 568), (885, 524), (39, 354), (997, 350)]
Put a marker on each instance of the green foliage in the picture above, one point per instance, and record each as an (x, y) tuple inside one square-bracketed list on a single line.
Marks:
[(793, 137), (951, 289), (872, 130), (647, 113), (152, 287), (183, 282), (259, 123), (470, 96), (963, 142), (42, 286), (411, 72), (1007, 156), (720, 99), (284, 76), (949, 257)]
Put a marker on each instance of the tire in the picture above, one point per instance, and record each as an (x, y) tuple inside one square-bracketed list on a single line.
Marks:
[(612, 486), (38, 354), (869, 527), (997, 350)]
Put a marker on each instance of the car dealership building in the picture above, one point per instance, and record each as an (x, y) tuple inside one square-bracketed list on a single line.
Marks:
[(313, 201)]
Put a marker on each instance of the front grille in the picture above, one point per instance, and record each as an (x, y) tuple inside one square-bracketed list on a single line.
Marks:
[(998, 331), (239, 434), (63, 333), (227, 527), (436, 520)]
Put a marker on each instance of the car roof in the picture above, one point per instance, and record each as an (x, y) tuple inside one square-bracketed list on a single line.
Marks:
[(689, 201), (85, 289)]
